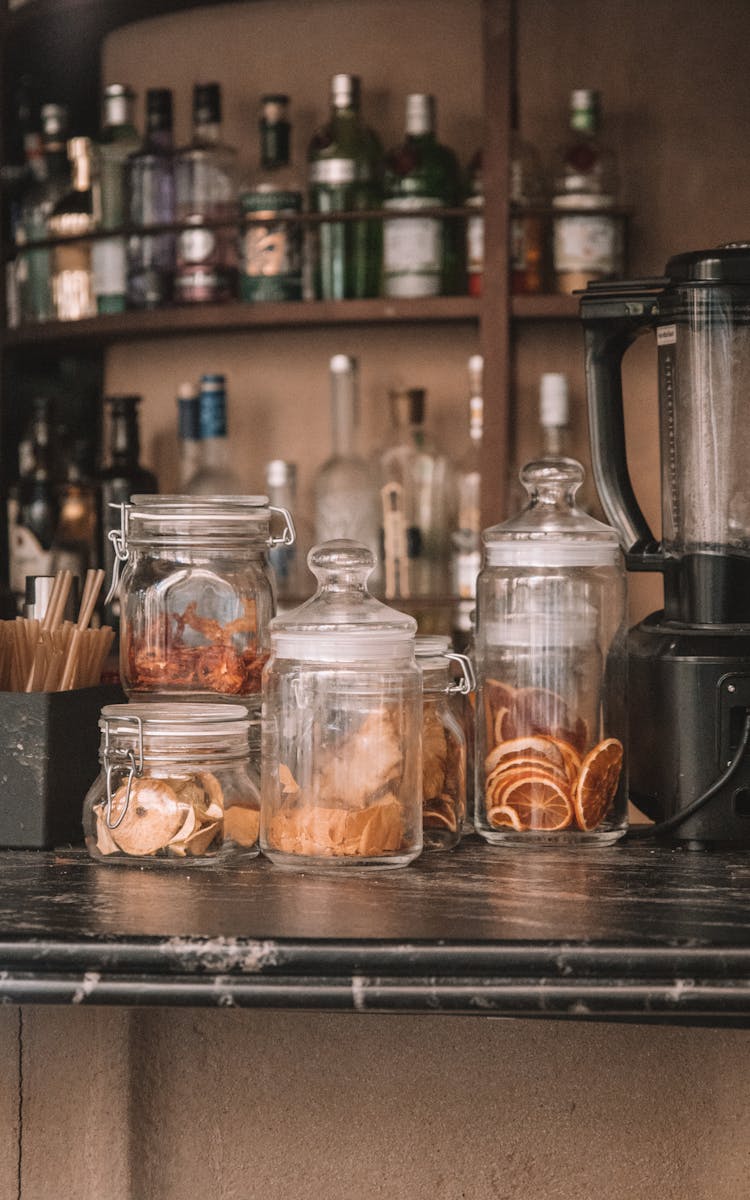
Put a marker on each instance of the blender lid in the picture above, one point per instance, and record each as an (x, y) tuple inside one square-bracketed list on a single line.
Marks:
[(723, 264)]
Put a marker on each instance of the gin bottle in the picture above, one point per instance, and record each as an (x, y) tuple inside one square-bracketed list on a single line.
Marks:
[(150, 173), (345, 500), (118, 141), (344, 175)]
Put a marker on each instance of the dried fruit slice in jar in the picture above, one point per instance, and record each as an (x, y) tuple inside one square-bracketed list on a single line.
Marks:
[(538, 747), (539, 802), (153, 816), (597, 783)]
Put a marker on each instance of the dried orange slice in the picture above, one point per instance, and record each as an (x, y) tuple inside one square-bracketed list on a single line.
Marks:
[(499, 816), (497, 696), (539, 802), (597, 783), (530, 747), (571, 759)]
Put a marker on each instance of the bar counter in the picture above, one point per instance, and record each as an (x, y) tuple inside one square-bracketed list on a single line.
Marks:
[(634, 932)]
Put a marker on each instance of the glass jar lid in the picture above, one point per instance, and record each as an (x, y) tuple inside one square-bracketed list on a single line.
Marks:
[(342, 622), (197, 518), (551, 531), (174, 732)]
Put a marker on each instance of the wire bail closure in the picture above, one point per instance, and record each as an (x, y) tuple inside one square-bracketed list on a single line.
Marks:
[(119, 540), (467, 683), (114, 759), (289, 536)]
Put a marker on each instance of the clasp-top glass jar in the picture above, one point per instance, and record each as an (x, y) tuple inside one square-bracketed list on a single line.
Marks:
[(443, 742), (342, 701), (196, 595), (551, 670), (175, 784)]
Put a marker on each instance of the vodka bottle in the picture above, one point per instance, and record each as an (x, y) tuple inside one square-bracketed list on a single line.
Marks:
[(467, 546), (117, 142), (345, 500), (189, 432), (215, 476), (150, 174)]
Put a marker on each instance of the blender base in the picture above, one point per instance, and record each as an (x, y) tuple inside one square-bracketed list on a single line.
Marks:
[(688, 700)]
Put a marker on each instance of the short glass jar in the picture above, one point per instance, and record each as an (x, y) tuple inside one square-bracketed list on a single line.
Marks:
[(551, 671), (342, 710), (443, 742), (197, 596), (175, 784)]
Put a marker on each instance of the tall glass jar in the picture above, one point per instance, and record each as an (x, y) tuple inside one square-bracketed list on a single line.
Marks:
[(342, 699), (196, 595), (443, 742), (175, 785), (551, 670)]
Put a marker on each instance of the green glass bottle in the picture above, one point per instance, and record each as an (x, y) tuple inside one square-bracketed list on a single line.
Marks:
[(422, 256), (344, 175)]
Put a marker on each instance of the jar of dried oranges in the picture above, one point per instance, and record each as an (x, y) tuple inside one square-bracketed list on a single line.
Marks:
[(196, 596), (342, 710), (175, 785), (551, 670), (443, 741)]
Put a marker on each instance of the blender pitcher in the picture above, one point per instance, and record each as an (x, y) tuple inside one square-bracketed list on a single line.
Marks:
[(689, 664)]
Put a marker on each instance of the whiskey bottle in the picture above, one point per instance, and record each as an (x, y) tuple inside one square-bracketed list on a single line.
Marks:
[(74, 217), (272, 251), (118, 141), (344, 175), (150, 188), (206, 190), (422, 256)]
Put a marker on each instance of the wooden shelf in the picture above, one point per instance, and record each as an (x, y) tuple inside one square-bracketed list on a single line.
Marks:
[(632, 932), (545, 308)]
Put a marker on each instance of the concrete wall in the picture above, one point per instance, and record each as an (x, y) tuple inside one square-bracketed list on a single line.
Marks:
[(231, 1105)]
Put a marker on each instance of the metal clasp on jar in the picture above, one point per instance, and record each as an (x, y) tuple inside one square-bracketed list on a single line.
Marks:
[(119, 539), (115, 759), (467, 683), (289, 536)]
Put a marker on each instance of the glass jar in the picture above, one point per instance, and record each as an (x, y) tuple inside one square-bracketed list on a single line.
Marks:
[(196, 594), (551, 670), (175, 784), (342, 699), (443, 742)]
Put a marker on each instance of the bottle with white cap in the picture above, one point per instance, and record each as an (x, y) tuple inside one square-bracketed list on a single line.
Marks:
[(286, 560), (467, 547), (554, 414)]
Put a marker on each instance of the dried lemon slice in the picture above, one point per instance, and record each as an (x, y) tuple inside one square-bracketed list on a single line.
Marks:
[(597, 783)]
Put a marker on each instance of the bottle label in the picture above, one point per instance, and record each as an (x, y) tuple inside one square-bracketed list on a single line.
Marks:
[(412, 250), (584, 242), (466, 567), (475, 244), (26, 558), (109, 267), (336, 171), (273, 252), (195, 245)]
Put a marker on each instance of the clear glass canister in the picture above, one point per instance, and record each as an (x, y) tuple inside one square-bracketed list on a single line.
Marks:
[(551, 675), (443, 742), (197, 596), (175, 784), (342, 711)]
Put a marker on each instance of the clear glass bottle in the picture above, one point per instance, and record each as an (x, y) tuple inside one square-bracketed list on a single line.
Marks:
[(588, 237), (271, 266), (281, 486), (196, 596), (150, 176), (34, 502), (467, 545), (418, 497), (422, 256), (206, 193), (550, 718), (443, 742), (189, 433), (119, 139), (214, 476), (342, 699), (34, 267), (344, 175), (176, 786), (345, 495), (74, 216), (552, 434)]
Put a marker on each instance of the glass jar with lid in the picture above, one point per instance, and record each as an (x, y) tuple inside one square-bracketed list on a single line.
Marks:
[(342, 700), (196, 594), (175, 785), (551, 670), (443, 741)]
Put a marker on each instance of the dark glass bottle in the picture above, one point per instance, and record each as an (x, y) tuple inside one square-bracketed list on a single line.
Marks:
[(33, 504), (422, 256), (74, 544), (72, 218), (122, 477), (344, 174), (151, 256), (34, 267)]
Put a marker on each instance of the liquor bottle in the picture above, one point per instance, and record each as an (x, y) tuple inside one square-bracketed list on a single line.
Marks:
[(35, 266), (74, 545), (287, 561), (33, 503), (23, 163), (122, 477), (214, 476), (150, 187), (206, 190), (417, 491), (271, 251), (345, 496), (422, 256), (475, 226), (344, 175), (552, 436), (588, 238), (467, 545), (118, 141), (189, 432), (74, 216)]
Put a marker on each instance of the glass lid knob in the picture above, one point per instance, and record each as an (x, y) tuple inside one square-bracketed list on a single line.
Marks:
[(341, 565), (552, 481)]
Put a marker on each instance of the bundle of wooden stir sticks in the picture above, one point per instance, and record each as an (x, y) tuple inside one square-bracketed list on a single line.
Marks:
[(53, 655)]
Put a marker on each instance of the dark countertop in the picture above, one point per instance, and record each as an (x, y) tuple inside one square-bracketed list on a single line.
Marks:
[(630, 932)]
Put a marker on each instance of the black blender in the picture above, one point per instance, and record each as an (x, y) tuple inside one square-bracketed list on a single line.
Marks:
[(689, 664)]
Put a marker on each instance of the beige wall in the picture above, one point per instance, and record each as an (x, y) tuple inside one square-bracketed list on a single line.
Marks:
[(181, 1104)]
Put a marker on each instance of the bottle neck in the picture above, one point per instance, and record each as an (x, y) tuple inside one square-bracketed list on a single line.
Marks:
[(159, 140), (124, 440), (555, 440), (275, 141), (118, 114), (476, 418), (344, 414), (206, 133), (81, 173)]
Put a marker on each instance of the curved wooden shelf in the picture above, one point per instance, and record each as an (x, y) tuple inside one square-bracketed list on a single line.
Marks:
[(106, 14)]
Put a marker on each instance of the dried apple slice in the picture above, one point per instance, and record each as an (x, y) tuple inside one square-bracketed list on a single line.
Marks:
[(153, 816), (241, 824)]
